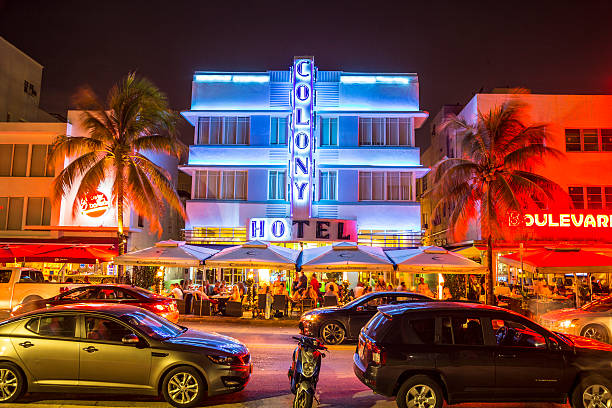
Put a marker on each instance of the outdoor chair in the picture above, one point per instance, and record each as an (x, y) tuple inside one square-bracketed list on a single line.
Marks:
[(307, 304), (280, 304), (330, 301), (201, 307), (233, 309), (260, 306), (180, 304), (188, 298)]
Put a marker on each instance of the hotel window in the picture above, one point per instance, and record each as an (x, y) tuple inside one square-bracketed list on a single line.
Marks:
[(223, 130), (13, 160), (11, 213), (39, 166), (588, 140), (277, 185), (384, 131), (329, 132), (328, 185), (385, 186), (592, 197), (221, 185), (278, 131), (38, 211)]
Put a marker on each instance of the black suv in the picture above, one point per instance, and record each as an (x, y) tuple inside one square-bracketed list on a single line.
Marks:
[(425, 353)]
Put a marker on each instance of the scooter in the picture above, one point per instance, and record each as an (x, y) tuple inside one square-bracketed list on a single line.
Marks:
[(304, 371)]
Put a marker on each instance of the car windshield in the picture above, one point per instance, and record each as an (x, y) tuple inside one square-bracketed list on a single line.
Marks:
[(152, 325), (601, 305), (146, 293)]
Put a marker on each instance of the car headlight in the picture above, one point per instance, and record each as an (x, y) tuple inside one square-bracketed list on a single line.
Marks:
[(566, 324), (222, 360), (310, 317)]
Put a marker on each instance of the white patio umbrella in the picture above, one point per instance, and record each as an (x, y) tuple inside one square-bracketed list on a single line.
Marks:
[(255, 254), (433, 259), (167, 253), (345, 256)]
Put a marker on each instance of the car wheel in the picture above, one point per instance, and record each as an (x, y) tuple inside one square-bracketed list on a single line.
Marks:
[(420, 391), (595, 332), (593, 391), (332, 333), (183, 387), (12, 383)]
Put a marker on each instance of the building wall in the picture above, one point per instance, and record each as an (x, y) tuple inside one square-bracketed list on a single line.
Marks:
[(558, 112), (20, 86), (346, 97)]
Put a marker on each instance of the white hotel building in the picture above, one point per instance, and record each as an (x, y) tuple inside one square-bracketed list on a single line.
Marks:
[(303, 155)]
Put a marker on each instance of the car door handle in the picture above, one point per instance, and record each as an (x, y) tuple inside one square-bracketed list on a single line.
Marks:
[(501, 355), (26, 344), (90, 349)]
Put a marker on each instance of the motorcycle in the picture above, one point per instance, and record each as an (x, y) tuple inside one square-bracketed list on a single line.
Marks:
[(304, 371)]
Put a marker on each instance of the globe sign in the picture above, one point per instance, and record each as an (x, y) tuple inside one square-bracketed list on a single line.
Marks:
[(94, 204)]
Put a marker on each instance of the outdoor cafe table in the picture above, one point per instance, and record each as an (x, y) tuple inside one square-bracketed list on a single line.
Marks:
[(222, 299)]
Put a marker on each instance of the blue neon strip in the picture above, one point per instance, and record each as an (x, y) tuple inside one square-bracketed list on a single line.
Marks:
[(230, 78), (369, 79)]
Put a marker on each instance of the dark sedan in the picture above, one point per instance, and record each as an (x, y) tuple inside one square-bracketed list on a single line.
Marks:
[(118, 294), (333, 325), (116, 349)]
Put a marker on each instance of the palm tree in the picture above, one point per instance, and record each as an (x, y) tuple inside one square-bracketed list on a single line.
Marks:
[(495, 174), (134, 119)]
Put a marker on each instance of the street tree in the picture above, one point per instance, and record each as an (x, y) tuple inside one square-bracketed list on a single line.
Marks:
[(495, 174), (133, 120)]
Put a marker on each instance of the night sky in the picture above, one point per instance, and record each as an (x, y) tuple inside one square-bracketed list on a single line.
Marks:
[(456, 47)]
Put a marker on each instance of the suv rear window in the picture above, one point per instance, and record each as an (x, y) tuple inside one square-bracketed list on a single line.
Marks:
[(418, 331), (462, 330), (377, 326)]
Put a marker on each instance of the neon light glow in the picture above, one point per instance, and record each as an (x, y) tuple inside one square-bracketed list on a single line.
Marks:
[(94, 205), (231, 78), (301, 146), (365, 79)]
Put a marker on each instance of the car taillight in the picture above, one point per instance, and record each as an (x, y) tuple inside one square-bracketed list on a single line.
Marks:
[(378, 355), (160, 307)]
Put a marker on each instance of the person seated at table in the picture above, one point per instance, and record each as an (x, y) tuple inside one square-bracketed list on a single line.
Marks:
[(310, 293), (545, 290), (280, 289), (330, 292), (176, 291), (262, 288), (297, 295), (502, 290), (235, 296)]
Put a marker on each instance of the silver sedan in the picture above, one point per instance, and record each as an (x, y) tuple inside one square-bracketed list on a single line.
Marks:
[(593, 320)]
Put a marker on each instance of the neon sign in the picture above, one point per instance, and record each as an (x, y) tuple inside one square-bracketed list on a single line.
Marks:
[(301, 146), (573, 225), (94, 204), (312, 229)]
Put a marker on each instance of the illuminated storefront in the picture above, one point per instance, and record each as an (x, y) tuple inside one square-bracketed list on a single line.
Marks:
[(304, 157)]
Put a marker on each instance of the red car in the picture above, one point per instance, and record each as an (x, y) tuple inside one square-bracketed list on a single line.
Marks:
[(115, 294)]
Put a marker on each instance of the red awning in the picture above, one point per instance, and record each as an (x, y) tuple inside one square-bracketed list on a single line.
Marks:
[(560, 260), (62, 253)]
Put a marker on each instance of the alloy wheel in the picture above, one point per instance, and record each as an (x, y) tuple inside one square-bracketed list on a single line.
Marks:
[(595, 333), (421, 396), (183, 388), (332, 333), (8, 384), (597, 396)]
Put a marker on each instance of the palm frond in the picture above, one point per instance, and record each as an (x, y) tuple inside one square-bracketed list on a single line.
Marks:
[(90, 182), (64, 181)]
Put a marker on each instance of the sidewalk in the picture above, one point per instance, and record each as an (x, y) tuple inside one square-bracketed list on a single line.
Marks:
[(246, 319)]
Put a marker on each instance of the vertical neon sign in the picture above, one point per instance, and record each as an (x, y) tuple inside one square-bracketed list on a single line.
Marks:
[(300, 147)]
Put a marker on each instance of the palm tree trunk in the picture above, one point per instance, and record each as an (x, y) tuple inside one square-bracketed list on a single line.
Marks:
[(490, 275), (121, 238)]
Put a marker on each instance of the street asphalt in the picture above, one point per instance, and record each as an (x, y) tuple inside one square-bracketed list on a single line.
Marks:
[(271, 347)]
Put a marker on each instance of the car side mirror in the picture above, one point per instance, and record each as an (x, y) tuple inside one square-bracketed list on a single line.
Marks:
[(360, 308), (130, 339), (554, 344)]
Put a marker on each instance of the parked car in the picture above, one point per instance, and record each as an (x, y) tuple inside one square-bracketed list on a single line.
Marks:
[(117, 294), (117, 349), (425, 353), (593, 320), (18, 285), (335, 324)]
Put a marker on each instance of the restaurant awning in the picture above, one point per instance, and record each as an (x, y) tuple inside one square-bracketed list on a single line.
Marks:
[(433, 259), (345, 256), (560, 260), (167, 253), (256, 255), (57, 252)]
